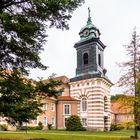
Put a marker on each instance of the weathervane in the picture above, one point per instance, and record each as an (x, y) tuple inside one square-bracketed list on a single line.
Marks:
[(89, 18), (88, 12)]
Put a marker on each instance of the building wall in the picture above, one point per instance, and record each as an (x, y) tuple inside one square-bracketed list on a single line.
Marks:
[(119, 118), (48, 112), (61, 113), (95, 90)]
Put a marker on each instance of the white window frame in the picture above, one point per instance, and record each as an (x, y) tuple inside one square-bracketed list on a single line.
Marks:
[(45, 107), (52, 107), (44, 121), (69, 109), (36, 121), (83, 123), (53, 121), (65, 121)]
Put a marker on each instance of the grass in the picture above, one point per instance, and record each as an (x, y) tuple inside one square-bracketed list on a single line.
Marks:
[(67, 135)]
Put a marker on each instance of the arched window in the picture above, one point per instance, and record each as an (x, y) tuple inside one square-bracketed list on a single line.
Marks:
[(84, 104), (85, 58), (99, 59), (105, 103)]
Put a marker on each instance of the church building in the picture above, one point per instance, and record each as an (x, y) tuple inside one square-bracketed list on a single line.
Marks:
[(88, 93)]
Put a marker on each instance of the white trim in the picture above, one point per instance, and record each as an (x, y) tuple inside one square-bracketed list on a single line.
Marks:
[(44, 120), (36, 124), (65, 117), (96, 115), (96, 119), (96, 125)]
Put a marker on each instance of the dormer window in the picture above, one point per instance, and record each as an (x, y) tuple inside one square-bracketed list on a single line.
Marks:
[(85, 58)]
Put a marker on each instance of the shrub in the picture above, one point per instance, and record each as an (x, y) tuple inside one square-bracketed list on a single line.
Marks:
[(3, 127), (116, 127), (129, 125), (40, 126), (74, 124), (49, 126)]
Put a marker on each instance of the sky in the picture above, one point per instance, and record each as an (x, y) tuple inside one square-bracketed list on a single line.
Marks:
[(115, 19)]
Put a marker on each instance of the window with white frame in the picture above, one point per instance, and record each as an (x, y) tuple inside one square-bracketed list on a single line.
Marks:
[(84, 122), (44, 107), (67, 110), (36, 121), (53, 121), (52, 107), (84, 104), (44, 121), (65, 122)]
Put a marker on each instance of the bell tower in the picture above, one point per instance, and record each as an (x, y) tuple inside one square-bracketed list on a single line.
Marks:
[(90, 85), (90, 52)]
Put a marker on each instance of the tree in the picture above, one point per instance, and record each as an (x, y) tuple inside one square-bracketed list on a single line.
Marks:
[(130, 80), (20, 100), (23, 25)]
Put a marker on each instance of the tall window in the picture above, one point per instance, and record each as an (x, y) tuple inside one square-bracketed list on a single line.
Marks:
[(105, 104), (99, 59), (67, 109), (65, 122), (36, 121), (84, 122), (44, 107), (84, 104), (52, 107), (85, 58), (53, 121), (44, 121)]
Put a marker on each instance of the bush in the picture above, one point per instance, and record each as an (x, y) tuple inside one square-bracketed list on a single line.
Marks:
[(49, 126), (3, 127), (74, 124), (129, 125), (40, 126), (116, 127)]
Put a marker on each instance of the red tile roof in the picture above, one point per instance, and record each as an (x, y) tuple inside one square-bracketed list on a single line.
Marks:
[(63, 78), (66, 98), (117, 108)]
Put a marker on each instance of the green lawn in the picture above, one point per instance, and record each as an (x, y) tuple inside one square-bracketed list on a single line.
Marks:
[(67, 135)]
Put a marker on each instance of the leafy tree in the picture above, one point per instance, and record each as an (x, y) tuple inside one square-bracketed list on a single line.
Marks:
[(130, 79), (23, 25)]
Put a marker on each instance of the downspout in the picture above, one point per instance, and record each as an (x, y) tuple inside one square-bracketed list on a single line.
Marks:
[(56, 122)]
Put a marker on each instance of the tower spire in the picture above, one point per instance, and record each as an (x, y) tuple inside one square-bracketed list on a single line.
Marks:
[(89, 12), (89, 17)]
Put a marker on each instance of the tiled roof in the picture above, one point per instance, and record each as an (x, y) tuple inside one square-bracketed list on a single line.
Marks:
[(117, 108), (66, 98), (63, 78)]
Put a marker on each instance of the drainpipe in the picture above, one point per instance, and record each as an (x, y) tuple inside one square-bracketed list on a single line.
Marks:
[(56, 115)]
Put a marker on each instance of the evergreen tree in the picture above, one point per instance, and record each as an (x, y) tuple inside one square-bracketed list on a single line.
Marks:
[(20, 99), (23, 25), (130, 79)]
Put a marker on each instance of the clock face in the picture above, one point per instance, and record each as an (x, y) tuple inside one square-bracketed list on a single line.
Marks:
[(86, 33)]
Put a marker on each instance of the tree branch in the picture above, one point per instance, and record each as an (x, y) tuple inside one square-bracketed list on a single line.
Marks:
[(13, 3)]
